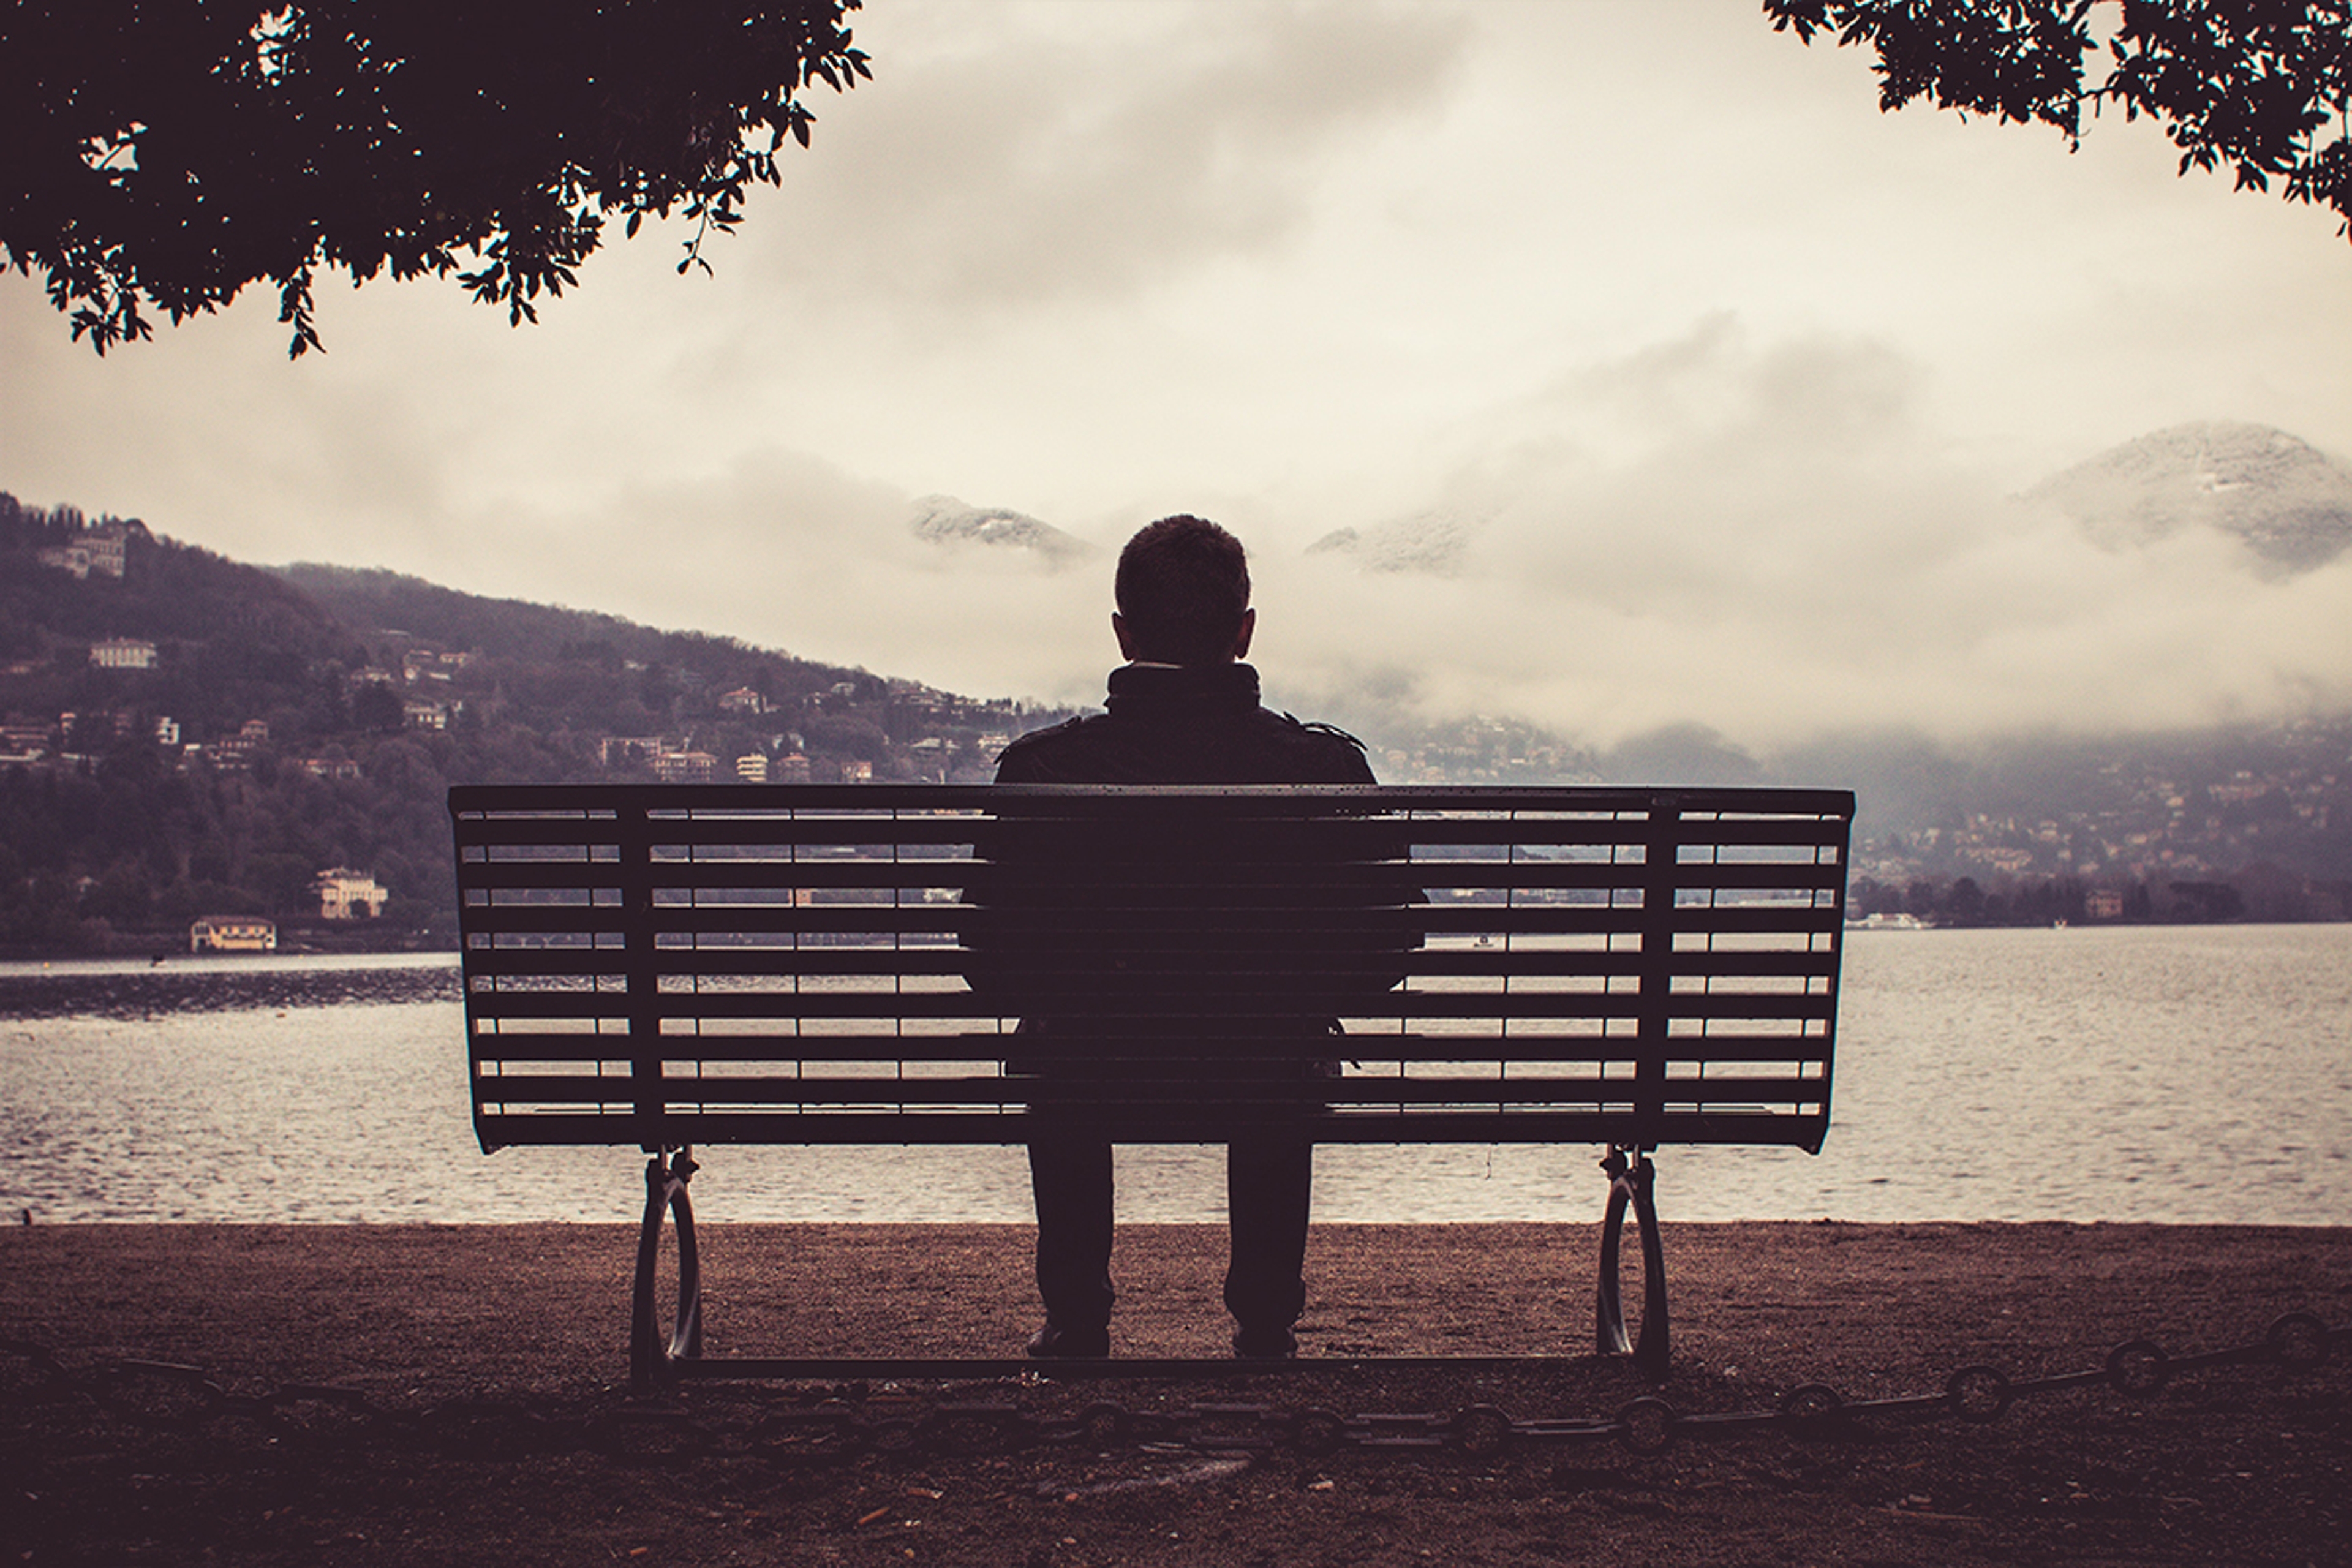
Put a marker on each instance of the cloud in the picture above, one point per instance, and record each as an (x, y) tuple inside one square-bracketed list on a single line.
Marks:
[(1762, 539), (787, 550), (1759, 537), (1050, 155)]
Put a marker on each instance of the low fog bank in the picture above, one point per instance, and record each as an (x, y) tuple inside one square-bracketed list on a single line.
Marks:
[(1604, 627), (1759, 542), (1767, 541)]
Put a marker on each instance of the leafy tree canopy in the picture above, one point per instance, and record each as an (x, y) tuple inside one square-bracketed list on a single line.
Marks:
[(165, 154), (2251, 83)]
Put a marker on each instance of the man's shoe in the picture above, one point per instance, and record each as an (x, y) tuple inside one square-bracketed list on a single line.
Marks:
[(1275, 1343), (1053, 1343)]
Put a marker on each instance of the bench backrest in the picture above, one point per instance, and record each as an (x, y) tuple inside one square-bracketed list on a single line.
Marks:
[(675, 964)]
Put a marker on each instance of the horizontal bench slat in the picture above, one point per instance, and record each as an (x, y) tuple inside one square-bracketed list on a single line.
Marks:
[(950, 882), (1435, 839), (931, 1005), (491, 1049), (784, 962), (682, 877), (810, 1094), (1501, 833), (537, 800), (748, 963), (950, 921), (1012, 1127)]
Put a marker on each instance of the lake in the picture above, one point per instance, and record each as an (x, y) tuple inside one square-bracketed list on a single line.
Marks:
[(2180, 1075)]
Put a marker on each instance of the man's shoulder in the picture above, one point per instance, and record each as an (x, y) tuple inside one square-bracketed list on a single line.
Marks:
[(1032, 758), (1323, 754)]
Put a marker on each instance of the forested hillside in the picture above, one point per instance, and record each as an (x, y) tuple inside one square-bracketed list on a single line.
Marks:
[(195, 736), (183, 735)]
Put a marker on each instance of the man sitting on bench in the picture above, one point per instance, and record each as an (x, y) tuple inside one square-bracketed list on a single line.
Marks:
[(1184, 709)]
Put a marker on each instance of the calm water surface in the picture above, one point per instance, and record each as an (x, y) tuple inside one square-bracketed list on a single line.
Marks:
[(2198, 1075)]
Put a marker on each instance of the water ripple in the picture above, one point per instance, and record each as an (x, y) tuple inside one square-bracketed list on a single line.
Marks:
[(2171, 1076)]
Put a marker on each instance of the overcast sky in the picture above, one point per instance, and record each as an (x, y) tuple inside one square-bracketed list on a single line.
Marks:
[(1728, 376)]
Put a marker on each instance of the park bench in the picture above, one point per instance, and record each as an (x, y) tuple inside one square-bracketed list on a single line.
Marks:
[(679, 966)]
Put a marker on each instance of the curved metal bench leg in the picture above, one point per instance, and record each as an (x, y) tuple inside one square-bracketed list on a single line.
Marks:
[(649, 1358), (1608, 1307), (1630, 1177)]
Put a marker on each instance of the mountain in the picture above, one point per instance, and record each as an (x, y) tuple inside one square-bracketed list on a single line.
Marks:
[(1429, 542), (245, 731), (412, 608), (2288, 502), (187, 735), (945, 521), (230, 642)]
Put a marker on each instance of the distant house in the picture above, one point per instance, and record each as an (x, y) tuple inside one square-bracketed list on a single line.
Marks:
[(101, 549), (234, 753), (348, 895), (232, 933), (743, 700), (428, 664), (751, 768), (330, 767), (122, 653), (685, 767), (422, 715), (613, 751), (107, 547), (793, 769)]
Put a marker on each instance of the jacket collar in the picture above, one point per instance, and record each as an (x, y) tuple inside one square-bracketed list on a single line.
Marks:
[(1138, 688)]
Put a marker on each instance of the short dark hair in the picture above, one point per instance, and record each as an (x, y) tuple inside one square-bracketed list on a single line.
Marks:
[(1183, 586)]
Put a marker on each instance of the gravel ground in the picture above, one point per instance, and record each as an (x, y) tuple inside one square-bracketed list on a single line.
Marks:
[(480, 1410)]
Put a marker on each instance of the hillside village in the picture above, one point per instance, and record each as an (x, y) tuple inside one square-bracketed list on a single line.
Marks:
[(197, 752), (2284, 798), (186, 740)]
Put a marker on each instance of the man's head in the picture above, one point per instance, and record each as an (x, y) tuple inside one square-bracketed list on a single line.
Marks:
[(1183, 594)]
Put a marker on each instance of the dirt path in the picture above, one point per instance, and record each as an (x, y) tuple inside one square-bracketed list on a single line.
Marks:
[(492, 1358)]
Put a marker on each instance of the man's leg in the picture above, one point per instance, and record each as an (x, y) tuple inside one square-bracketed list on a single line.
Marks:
[(1071, 1180), (1267, 1183)]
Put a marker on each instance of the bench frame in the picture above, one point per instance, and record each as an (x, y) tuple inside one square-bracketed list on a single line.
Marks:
[(664, 965)]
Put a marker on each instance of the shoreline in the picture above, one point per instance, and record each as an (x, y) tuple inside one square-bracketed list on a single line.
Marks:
[(134, 946)]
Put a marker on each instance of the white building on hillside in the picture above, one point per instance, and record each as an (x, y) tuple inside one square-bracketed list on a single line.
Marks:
[(348, 895), (232, 933), (122, 653)]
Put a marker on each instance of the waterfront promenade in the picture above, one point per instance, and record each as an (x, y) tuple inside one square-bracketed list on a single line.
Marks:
[(2239, 1464)]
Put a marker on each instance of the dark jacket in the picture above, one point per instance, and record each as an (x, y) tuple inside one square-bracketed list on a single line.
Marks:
[(1185, 724), (1228, 934)]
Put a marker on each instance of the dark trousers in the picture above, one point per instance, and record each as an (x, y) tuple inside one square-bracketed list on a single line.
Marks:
[(1268, 1182)]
